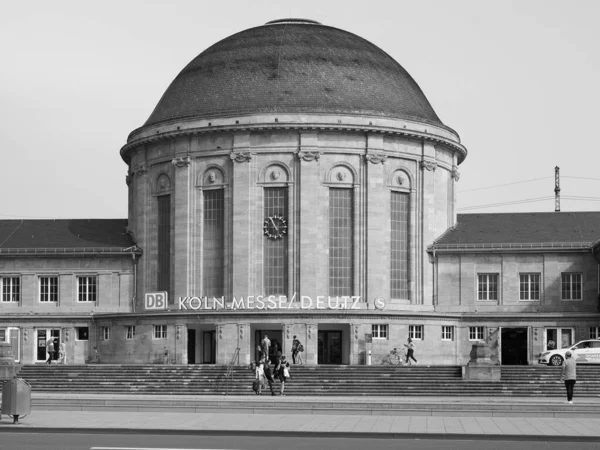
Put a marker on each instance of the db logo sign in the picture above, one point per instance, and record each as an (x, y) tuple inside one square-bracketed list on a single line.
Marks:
[(155, 300)]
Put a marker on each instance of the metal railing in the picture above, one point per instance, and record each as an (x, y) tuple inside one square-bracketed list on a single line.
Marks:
[(228, 375)]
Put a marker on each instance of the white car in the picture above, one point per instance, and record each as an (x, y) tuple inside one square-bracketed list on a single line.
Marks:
[(587, 352)]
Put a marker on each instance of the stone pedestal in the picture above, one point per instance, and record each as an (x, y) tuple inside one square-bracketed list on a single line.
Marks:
[(480, 366), (8, 367)]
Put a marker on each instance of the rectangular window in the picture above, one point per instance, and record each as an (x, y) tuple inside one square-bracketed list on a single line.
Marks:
[(487, 286), (447, 333), (130, 331), (213, 243), (594, 332), (87, 289), (164, 243), (11, 289), (529, 286), (48, 289), (476, 333), (160, 332), (105, 333), (83, 333), (2, 335), (571, 284), (415, 332), (379, 331), (400, 212), (275, 241), (341, 241)]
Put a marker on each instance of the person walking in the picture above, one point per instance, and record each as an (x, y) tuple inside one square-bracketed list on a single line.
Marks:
[(50, 350), (269, 376), (569, 375), (260, 376), (297, 350), (410, 351), (265, 344)]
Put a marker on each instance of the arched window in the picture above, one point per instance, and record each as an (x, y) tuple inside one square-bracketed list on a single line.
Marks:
[(213, 243)]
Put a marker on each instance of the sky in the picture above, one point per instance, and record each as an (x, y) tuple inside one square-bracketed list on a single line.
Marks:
[(518, 80)]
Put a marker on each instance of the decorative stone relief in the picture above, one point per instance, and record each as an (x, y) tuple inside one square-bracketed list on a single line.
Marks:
[(240, 157), (428, 165), (355, 330), (287, 331), (128, 177), (341, 176), (181, 161), (310, 331), (275, 174), (212, 177), (455, 174), (375, 158), (309, 156), (163, 183), (220, 331), (141, 169)]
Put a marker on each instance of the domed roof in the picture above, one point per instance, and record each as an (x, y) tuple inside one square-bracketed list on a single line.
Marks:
[(293, 66)]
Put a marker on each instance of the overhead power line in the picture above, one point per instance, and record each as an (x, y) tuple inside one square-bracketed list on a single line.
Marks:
[(514, 202), (505, 184)]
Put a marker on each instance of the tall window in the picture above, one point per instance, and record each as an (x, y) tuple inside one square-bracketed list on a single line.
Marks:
[(571, 286), (87, 289), (594, 332), (399, 245), (11, 289), (487, 286), (476, 333), (164, 243), (48, 289), (415, 332), (447, 333), (275, 240), (379, 331), (130, 332), (160, 332), (341, 237), (213, 243), (105, 333), (529, 286)]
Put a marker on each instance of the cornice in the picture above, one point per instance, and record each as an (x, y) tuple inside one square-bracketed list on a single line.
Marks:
[(168, 133)]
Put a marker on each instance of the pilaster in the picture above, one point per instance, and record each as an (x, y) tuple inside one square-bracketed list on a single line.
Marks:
[(183, 224)]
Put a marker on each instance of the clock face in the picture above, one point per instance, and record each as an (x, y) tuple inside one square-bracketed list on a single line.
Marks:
[(275, 227)]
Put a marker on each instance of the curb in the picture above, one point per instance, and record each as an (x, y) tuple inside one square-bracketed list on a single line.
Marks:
[(23, 428)]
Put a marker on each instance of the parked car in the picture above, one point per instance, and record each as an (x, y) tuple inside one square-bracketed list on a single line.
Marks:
[(587, 352)]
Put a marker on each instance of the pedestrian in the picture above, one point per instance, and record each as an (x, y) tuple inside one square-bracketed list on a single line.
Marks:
[(269, 376), (50, 350), (62, 353), (297, 349), (265, 344), (260, 376), (410, 350), (569, 375), (279, 374)]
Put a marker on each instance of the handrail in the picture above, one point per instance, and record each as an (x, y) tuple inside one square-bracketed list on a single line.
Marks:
[(229, 371)]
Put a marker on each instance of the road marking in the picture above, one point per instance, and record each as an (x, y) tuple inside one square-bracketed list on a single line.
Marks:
[(152, 448)]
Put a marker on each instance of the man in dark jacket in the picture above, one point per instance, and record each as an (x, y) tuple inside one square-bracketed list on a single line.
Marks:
[(269, 376)]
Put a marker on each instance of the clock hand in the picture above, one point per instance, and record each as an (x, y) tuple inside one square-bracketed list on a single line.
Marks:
[(273, 222)]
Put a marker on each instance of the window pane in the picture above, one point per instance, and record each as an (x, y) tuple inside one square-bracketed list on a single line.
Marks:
[(214, 243), (275, 250), (341, 236), (399, 245)]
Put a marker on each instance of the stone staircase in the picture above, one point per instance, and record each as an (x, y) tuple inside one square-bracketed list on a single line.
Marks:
[(398, 381)]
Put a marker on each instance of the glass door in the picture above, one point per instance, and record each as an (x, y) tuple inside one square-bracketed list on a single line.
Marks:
[(329, 347), (41, 339)]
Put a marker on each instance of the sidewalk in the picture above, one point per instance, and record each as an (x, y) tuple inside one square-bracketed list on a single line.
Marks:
[(310, 425), (244, 415)]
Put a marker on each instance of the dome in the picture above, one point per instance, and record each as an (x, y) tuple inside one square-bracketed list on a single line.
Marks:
[(293, 66)]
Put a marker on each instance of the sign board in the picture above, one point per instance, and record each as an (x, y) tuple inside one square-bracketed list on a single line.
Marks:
[(155, 300)]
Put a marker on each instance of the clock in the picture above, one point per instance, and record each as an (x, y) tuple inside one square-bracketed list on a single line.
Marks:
[(275, 227)]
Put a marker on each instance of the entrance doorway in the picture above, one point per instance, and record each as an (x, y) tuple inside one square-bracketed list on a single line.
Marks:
[(330, 347), (209, 346), (274, 337), (191, 350), (514, 346), (41, 338)]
